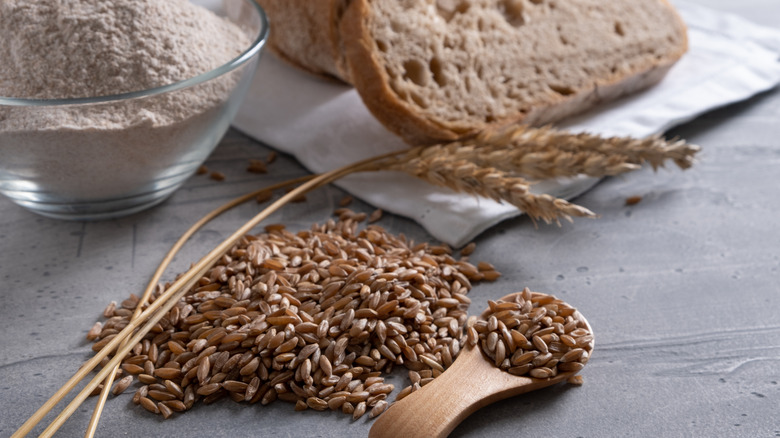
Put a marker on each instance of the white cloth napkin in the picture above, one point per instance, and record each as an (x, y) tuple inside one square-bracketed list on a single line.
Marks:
[(325, 125)]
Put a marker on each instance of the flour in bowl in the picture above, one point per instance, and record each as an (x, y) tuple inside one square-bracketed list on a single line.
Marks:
[(85, 48), (55, 49)]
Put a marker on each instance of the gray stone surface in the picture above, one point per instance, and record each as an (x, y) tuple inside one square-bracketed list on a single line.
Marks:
[(681, 290)]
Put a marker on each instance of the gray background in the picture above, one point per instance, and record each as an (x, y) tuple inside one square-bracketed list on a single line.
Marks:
[(681, 290)]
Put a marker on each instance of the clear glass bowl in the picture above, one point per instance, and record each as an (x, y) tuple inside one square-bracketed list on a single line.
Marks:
[(59, 168)]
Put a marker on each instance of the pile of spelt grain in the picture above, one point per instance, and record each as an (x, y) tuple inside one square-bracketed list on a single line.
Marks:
[(535, 334), (314, 318)]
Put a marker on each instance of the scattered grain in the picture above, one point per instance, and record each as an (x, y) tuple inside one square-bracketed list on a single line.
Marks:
[(360, 409), (122, 385), (109, 310), (633, 200), (257, 166), (146, 378), (264, 196), (164, 410), (378, 408), (313, 318), (96, 391), (132, 368), (149, 405), (95, 331), (468, 249), (375, 216)]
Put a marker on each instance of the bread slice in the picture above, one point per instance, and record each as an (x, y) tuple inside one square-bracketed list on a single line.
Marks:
[(305, 33), (439, 70)]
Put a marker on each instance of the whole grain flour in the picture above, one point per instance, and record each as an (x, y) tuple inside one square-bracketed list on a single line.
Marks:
[(54, 49)]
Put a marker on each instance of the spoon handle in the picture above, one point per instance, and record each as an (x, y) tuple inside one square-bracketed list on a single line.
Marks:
[(436, 409)]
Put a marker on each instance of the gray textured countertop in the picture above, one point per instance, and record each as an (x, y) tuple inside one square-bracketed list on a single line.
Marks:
[(681, 290)]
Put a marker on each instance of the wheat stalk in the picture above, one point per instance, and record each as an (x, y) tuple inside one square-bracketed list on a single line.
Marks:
[(501, 165)]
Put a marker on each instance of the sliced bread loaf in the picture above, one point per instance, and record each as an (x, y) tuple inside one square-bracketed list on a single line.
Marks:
[(437, 70), (440, 70)]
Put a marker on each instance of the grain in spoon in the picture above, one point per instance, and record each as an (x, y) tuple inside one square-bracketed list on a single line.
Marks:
[(537, 339)]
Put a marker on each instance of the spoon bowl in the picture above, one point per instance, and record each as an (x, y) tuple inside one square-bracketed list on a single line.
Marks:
[(472, 382)]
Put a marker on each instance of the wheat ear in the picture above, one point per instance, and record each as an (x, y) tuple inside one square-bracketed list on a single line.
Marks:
[(500, 164), (466, 177), (535, 164), (654, 150)]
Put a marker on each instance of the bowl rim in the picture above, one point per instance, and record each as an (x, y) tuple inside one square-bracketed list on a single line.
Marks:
[(231, 65)]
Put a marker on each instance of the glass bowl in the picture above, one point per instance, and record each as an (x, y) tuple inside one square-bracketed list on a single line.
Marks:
[(59, 167)]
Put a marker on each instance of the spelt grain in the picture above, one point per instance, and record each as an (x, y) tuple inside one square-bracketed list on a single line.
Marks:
[(468, 249), (96, 391), (376, 215), (132, 368), (378, 408), (167, 373), (109, 310), (313, 317), (146, 378), (360, 409), (559, 338), (95, 331), (174, 389), (164, 410), (149, 405), (160, 395), (122, 385), (633, 200), (257, 166)]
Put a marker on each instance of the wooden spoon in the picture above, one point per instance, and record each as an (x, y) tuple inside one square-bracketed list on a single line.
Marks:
[(472, 382)]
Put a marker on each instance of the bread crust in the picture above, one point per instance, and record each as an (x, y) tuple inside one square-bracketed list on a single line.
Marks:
[(305, 34), (370, 78)]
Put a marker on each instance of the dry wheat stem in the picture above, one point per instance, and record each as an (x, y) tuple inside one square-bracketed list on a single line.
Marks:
[(101, 402), (92, 427), (117, 359)]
